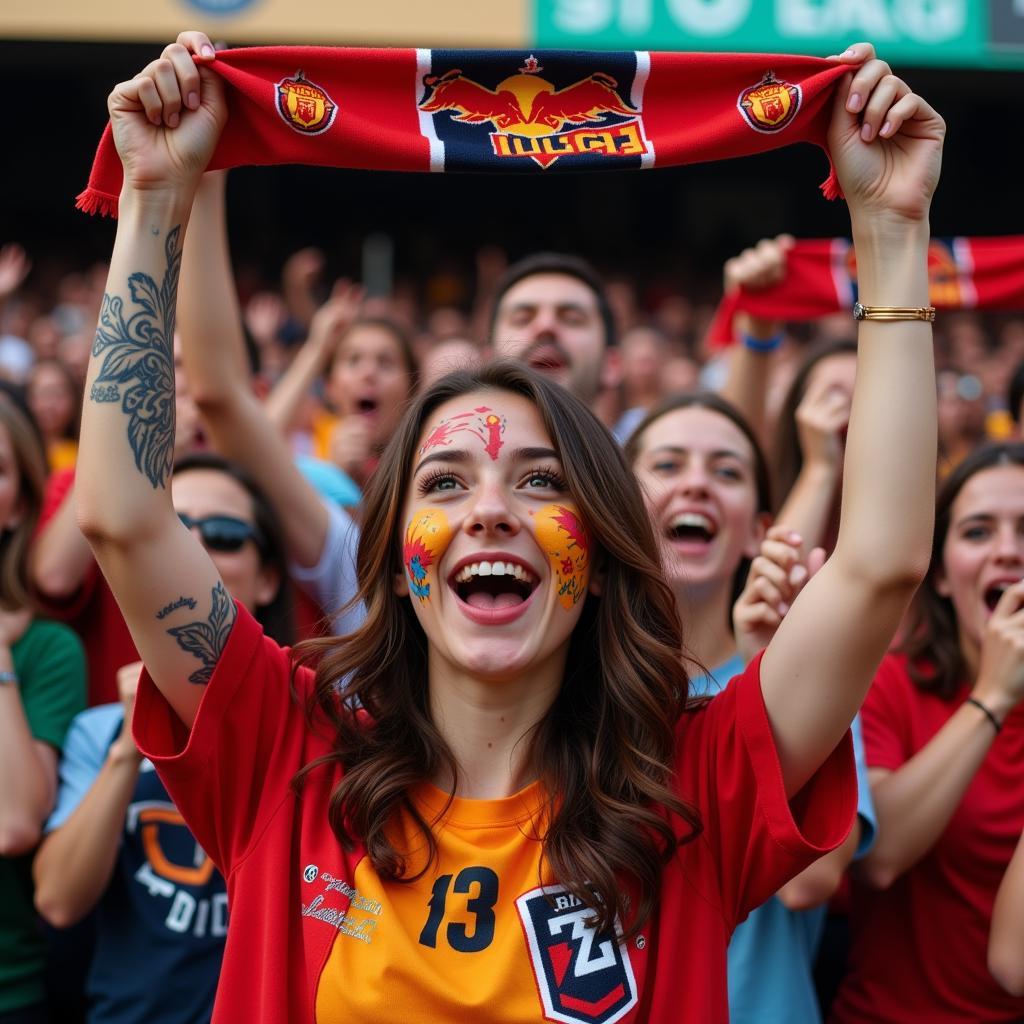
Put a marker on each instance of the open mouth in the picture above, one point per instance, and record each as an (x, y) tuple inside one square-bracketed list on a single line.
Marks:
[(994, 593), (692, 527), (367, 406), (494, 585)]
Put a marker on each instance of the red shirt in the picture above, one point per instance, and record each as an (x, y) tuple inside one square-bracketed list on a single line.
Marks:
[(296, 897), (91, 611), (919, 948)]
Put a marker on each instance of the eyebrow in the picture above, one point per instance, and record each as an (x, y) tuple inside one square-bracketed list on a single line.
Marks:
[(462, 455), (718, 453)]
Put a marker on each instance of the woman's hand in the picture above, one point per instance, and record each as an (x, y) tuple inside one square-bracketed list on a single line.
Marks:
[(1000, 682), (776, 576), (166, 120), (757, 267), (334, 317), (885, 141), (821, 418)]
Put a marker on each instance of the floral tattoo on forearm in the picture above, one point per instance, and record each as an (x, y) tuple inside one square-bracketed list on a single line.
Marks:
[(137, 356), (206, 640)]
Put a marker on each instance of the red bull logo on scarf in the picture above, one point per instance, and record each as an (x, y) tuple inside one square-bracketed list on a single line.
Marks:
[(558, 107), (581, 975)]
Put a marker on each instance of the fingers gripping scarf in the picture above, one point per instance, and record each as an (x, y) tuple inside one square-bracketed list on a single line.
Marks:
[(493, 110)]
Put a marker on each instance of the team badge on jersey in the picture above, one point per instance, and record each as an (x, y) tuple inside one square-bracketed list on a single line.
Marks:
[(304, 106), (581, 975), (539, 112), (770, 105)]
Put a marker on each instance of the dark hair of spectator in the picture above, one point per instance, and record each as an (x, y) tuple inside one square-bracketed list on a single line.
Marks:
[(30, 456), (556, 263), (788, 458), (604, 752), (277, 617), (715, 403), (935, 660)]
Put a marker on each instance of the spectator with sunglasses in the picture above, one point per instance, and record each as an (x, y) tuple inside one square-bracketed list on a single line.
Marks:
[(115, 841)]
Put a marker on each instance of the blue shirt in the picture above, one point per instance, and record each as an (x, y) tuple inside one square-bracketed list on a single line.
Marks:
[(162, 921), (772, 952)]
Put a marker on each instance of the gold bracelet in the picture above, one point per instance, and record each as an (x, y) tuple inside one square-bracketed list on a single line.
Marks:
[(892, 313)]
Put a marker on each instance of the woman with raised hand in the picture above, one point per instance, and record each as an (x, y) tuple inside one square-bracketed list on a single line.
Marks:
[(514, 813), (944, 734), (705, 482)]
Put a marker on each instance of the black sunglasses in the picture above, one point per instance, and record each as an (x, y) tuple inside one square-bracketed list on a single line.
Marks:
[(222, 533)]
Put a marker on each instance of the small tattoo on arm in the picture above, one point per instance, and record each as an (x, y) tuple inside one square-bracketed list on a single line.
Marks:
[(137, 352), (182, 602), (206, 640), (105, 393)]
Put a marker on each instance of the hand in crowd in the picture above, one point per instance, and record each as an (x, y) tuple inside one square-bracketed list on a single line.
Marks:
[(896, 177), (351, 445), (299, 278), (165, 126), (128, 676), (821, 420), (759, 266), (265, 315), (14, 268), (335, 316), (1000, 682), (776, 576)]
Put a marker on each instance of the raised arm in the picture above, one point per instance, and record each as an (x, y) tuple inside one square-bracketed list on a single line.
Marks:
[(750, 359), (165, 122), (886, 145), (213, 352)]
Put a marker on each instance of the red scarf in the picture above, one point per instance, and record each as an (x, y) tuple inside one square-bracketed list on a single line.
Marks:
[(443, 110), (965, 273)]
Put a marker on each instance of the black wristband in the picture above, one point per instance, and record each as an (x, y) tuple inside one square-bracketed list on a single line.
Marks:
[(996, 724)]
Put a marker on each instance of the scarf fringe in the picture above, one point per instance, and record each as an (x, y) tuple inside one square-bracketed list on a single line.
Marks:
[(92, 201), (830, 187)]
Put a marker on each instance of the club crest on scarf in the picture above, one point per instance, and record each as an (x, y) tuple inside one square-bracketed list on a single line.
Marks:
[(304, 105), (529, 118), (581, 975), (770, 105)]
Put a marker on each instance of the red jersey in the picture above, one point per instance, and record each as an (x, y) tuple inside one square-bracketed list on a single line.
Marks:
[(316, 935), (919, 948)]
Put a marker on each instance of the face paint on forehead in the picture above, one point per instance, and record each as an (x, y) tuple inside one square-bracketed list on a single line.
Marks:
[(426, 538), (481, 422), (565, 541)]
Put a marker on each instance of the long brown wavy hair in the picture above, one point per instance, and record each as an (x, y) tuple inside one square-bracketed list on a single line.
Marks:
[(935, 660), (604, 751)]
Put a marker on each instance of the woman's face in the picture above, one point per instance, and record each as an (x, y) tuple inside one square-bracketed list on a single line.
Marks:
[(984, 548), (51, 400), (696, 468), (369, 378), (10, 481), (210, 494), (496, 560)]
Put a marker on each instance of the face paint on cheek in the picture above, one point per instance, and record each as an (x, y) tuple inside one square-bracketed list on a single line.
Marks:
[(567, 545), (426, 538)]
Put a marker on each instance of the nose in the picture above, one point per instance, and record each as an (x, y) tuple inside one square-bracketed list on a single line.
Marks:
[(492, 513), (1009, 549), (694, 478)]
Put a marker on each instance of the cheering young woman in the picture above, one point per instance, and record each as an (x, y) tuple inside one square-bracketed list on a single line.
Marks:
[(511, 813)]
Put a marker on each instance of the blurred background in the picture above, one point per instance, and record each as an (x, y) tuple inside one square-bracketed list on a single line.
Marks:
[(60, 58)]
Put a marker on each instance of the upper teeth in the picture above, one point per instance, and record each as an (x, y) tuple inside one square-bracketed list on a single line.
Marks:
[(467, 572), (702, 522)]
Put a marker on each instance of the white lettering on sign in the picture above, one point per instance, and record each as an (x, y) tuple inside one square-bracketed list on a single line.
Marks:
[(932, 21), (708, 17), (583, 15)]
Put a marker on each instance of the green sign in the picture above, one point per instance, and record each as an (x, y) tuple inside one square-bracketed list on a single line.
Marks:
[(972, 33)]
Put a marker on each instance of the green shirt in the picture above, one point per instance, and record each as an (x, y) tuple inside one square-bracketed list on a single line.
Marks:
[(50, 665)]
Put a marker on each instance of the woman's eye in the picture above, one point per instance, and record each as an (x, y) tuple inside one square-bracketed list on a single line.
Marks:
[(664, 467), (729, 473), (438, 482), (975, 533), (545, 479)]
